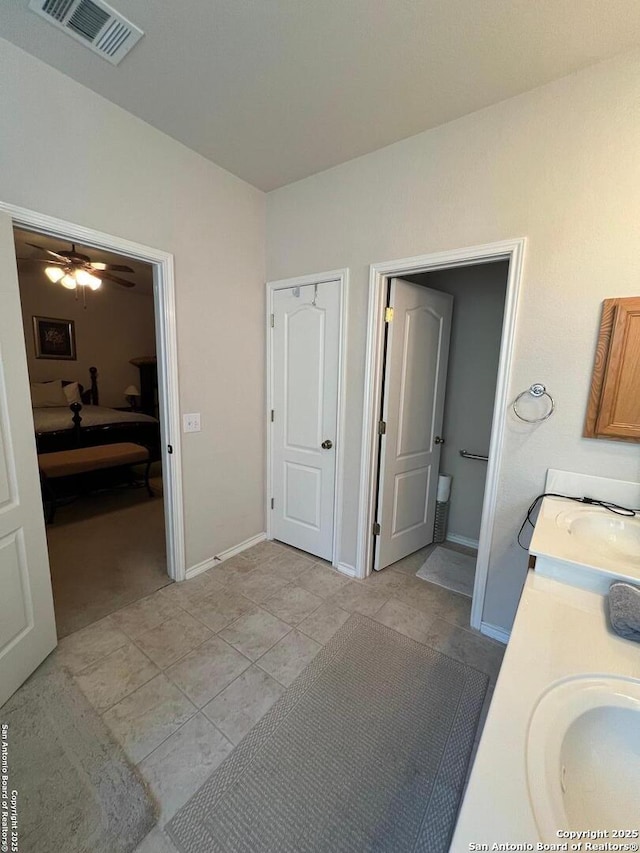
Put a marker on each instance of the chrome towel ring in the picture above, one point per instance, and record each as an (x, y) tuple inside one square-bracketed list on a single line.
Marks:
[(536, 390)]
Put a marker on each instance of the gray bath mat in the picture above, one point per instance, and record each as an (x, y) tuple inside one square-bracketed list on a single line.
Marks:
[(450, 569), (366, 751), (76, 790)]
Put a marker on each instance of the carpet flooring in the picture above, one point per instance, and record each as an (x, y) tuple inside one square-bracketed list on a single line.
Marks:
[(76, 791), (367, 750), (106, 550)]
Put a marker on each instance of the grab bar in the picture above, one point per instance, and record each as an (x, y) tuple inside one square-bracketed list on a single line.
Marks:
[(466, 455)]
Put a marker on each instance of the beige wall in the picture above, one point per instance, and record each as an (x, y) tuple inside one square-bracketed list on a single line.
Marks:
[(115, 326), (559, 166), (67, 152), (478, 308)]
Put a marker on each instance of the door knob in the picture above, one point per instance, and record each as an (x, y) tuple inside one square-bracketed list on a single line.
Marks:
[(439, 440), (327, 444)]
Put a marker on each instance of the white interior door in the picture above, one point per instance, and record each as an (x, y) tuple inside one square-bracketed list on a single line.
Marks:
[(415, 377), (27, 624), (304, 382)]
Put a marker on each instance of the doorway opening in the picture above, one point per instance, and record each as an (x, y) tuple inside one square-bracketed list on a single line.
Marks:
[(104, 394), (441, 332)]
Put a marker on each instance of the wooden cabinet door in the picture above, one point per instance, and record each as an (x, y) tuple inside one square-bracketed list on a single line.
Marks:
[(619, 415)]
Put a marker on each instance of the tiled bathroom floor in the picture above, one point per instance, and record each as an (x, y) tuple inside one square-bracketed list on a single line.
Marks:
[(182, 675)]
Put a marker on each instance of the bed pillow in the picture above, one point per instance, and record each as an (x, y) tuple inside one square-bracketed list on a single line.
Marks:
[(44, 395), (72, 393)]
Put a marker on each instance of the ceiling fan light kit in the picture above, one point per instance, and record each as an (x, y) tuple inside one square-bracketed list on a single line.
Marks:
[(70, 278), (54, 274), (72, 269)]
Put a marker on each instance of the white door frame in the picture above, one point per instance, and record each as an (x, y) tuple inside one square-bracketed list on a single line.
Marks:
[(167, 348), (342, 278), (509, 250)]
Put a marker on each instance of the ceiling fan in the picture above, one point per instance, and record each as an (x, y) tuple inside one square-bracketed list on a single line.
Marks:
[(71, 268)]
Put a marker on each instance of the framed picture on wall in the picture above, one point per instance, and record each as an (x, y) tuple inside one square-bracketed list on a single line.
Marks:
[(54, 338)]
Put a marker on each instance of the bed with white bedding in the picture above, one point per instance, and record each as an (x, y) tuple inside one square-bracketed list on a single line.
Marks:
[(84, 423)]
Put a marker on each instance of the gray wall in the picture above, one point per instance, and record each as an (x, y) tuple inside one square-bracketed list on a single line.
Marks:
[(478, 308), (105, 169), (558, 166)]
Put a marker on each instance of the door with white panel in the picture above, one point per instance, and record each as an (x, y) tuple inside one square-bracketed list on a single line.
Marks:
[(305, 349), (415, 376), (27, 623)]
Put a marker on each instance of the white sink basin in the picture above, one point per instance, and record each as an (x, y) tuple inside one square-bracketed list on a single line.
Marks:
[(603, 531), (583, 756)]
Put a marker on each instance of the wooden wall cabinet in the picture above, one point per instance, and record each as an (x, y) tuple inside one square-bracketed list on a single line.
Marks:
[(614, 400)]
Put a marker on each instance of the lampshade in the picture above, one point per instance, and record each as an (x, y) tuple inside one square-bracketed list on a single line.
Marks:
[(68, 281), (131, 391), (85, 279), (54, 273)]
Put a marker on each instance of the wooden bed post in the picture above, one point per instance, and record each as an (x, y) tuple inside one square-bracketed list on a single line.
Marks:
[(77, 420), (94, 385)]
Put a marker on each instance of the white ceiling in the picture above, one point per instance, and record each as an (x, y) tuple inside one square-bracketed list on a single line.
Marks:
[(275, 90)]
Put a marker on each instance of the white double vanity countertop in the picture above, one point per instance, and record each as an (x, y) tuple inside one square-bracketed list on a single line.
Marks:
[(560, 750)]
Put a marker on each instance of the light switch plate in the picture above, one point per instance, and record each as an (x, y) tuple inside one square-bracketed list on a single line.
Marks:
[(191, 422)]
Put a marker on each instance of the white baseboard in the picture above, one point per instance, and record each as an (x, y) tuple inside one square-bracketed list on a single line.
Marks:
[(495, 633), (192, 571), (346, 569), (462, 540)]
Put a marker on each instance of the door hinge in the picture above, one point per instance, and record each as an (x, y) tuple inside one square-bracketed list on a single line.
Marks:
[(382, 427), (273, 415), (273, 320), (272, 503), (376, 528), (388, 314)]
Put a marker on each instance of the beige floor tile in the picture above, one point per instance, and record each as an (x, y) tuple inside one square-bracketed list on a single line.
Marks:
[(262, 553), (89, 645), (469, 647), (207, 670), (168, 642), (180, 765), (255, 633), (286, 660), (111, 679), (144, 614), (187, 592), (288, 565), (355, 598), (435, 601), (292, 604), (156, 842), (245, 701), (220, 609), (322, 581), (234, 567), (148, 716), (323, 623), (388, 580), (410, 565), (406, 620), (258, 585)]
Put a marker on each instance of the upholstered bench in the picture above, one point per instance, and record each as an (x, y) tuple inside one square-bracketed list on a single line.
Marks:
[(85, 460)]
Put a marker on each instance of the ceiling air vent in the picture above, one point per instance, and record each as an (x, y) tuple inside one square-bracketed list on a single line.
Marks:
[(93, 23)]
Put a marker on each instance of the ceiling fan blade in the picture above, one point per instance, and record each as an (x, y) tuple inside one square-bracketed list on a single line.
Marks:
[(98, 265), (107, 276), (49, 252), (46, 261)]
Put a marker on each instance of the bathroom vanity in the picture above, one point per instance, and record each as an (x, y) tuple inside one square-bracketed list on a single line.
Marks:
[(560, 750)]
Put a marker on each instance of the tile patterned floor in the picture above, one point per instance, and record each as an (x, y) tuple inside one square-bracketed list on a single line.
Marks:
[(181, 676)]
